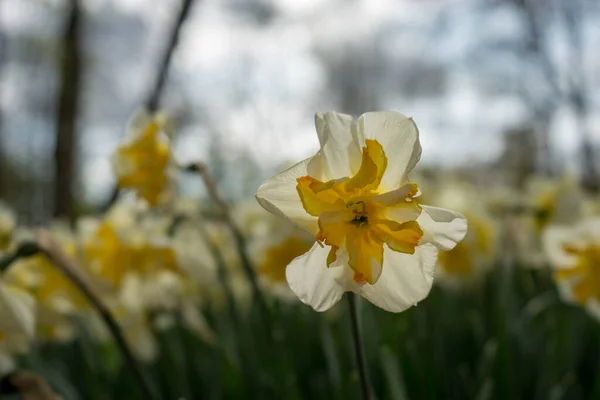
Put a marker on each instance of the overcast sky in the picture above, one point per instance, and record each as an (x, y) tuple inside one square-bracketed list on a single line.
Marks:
[(258, 82)]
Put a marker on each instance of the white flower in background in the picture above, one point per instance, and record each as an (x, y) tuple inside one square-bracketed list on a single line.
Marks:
[(474, 255), (193, 254), (17, 324), (272, 244), (355, 197), (134, 323), (555, 202), (58, 300), (545, 203), (574, 254)]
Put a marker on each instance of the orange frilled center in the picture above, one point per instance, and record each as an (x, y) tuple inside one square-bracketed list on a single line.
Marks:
[(585, 273), (354, 215)]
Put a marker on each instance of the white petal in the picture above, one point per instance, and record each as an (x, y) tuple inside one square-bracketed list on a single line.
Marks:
[(589, 230), (405, 280), (279, 196), (593, 307), (444, 228), (312, 281), (553, 241), (399, 137), (7, 364), (340, 152), (17, 311)]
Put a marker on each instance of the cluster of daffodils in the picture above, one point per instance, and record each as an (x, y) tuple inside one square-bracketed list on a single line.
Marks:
[(146, 278), (148, 269), (352, 218), (574, 254)]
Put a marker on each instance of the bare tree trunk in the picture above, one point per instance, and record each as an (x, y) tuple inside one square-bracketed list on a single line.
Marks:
[(64, 155)]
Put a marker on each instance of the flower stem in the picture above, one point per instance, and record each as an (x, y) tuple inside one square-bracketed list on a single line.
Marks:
[(238, 236), (24, 250), (358, 349), (155, 94), (71, 270)]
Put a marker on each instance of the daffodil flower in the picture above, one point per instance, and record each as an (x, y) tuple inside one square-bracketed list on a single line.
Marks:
[(472, 257), (574, 254), (142, 163), (354, 196), (110, 254)]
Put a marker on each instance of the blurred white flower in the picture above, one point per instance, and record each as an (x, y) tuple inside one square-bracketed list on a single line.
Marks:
[(574, 254), (555, 201), (57, 298), (272, 244), (193, 254), (475, 254), (354, 196), (17, 323)]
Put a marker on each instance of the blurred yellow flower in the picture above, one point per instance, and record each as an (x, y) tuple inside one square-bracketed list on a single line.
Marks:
[(474, 252), (57, 298), (574, 253), (586, 272), (47, 283), (355, 197), (141, 164), (111, 256), (277, 257)]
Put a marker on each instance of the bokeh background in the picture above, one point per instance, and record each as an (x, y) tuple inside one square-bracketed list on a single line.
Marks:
[(483, 80), (505, 93)]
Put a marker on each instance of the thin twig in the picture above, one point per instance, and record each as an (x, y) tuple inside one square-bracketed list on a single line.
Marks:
[(155, 93), (361, 364), (240, 241), (24, 250), (154, 97), (223, 275), (71, 270)]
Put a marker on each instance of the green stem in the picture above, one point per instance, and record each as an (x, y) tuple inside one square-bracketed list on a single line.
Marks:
[(358, 349), (239, 239), (71, 270)]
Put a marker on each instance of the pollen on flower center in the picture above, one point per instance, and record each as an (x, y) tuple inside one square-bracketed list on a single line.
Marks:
[(359, 211)]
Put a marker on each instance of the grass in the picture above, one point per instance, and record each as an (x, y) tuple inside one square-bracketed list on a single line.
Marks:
[(508, 337)]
